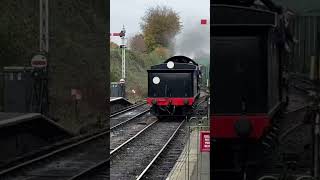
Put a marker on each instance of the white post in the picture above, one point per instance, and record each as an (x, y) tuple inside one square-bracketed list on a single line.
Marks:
[(123, 45)]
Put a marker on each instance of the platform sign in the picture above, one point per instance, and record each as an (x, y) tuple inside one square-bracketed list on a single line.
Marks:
[(76, 93), (203, 21), (204, 141), (39, 61)]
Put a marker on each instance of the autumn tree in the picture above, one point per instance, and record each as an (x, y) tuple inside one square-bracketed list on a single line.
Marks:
[(113, 45), (160, 25), (137, 43), (162, 52)]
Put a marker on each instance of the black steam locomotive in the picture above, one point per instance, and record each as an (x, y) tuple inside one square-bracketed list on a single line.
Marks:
[(246, 84), (173, 86)]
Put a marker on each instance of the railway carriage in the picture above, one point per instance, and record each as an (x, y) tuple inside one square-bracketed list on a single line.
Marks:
[(173, 86)]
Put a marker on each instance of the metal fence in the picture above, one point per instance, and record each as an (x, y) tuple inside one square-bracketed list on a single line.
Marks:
[(192, 163)]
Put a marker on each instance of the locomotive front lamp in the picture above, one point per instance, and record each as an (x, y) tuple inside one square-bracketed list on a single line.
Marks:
[(170, 64), (156, 80)]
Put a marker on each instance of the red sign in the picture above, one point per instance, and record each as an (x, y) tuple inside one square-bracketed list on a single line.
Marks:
[(203, 21), (76, 93), (204, 141), (116, 34)]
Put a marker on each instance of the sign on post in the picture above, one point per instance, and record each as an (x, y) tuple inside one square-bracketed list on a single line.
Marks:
[(76, 93), (203, 21), (204, 141), (39, 61)]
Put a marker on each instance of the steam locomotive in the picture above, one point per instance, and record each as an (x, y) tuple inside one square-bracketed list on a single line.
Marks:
[(248, 46), (173, 87)]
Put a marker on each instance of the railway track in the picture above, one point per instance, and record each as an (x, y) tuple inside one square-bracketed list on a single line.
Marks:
[(116, 143), (147, 173), (294, 138), (122, 134), (126, 109), (302, 83), (133, 158), (166, 160), (159, 166), (62, 163), (87, 158), (73, 160), (134, 162), (299, 108), (100, 171), (127, 115)]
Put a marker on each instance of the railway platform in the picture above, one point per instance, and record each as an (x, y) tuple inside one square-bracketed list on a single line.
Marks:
[(192, 164), (118, 103), (22, 133)]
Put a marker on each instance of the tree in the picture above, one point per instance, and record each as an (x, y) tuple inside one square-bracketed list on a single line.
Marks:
[(160, 25), (136, 43), (162, 52), (113, 45)]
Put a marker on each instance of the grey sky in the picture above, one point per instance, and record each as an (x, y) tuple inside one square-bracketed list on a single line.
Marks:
[(130, 12)]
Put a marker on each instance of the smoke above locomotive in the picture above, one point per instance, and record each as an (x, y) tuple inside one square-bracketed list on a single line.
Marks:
[(173, 86)]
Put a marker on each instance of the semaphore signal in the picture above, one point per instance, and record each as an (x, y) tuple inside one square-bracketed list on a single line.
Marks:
[(122, 35)]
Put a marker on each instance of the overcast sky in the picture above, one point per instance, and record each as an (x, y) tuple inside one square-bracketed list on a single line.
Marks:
[(130, 12)]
